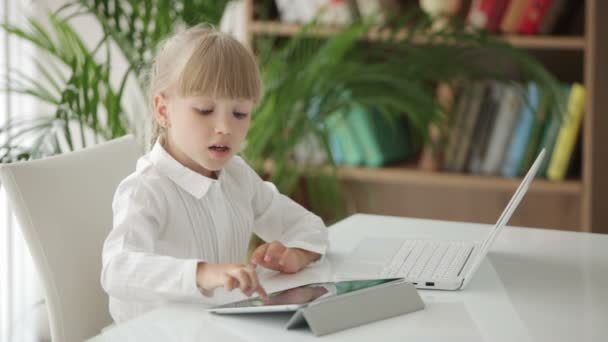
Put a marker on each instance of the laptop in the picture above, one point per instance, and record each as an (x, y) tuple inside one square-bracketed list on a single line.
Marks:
[(430, 264)]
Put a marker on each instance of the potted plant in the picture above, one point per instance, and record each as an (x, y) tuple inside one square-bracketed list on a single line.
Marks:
[(305, 81)]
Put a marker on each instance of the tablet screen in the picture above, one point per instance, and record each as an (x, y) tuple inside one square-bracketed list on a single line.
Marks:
[(308, 293)]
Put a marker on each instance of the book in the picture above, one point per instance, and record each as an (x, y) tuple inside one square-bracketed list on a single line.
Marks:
[(507, 115), (512, 17), (431, 155), (521, 134), (535, 135), (335, 147), (470, 119), (484, 126), (533, 16), (396, 137), (568, 133), (382, 140), (337, 151), (360, 126), (455, 126), (487, 14), (550, 132), (350, 148), (497, 12), (555, 11)]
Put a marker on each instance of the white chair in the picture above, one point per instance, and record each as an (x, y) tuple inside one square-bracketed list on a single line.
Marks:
[(63, 204)]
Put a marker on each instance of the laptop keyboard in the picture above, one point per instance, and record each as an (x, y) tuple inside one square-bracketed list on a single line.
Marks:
[(422, 259)]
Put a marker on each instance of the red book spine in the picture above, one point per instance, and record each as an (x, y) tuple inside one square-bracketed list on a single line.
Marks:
[(487, 14), (496, 12), (533, 16)]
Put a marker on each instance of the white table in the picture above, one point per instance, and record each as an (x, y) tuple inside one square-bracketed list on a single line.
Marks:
[(536, 285)]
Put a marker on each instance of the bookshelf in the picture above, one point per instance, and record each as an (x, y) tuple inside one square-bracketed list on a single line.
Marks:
[(580, 204), (276, 28)]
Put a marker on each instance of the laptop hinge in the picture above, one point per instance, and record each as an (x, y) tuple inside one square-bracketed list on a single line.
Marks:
[(465, 261)]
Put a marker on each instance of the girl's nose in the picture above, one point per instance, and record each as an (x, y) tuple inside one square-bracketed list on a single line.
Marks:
[(222, 126)]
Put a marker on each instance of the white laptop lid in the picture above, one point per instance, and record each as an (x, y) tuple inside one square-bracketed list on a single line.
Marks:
[(504, 217)]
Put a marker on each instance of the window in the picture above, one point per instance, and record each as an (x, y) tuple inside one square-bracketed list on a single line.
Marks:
[(20, 290)]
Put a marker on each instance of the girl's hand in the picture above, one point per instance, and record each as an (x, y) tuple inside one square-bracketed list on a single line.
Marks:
[(230, 276), (276, 256)]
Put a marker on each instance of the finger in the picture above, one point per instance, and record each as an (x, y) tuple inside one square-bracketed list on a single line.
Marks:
[(256, 285), (244, 282), (229, 283), (262, 292), (257, 256), (274, 251)]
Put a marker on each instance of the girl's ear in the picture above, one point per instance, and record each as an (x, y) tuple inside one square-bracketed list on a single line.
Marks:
[(160, 110)]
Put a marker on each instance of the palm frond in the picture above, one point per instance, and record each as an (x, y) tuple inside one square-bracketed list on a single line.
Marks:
[(82, 92), (138, 26)]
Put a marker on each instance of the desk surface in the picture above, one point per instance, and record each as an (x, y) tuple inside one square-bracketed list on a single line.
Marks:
[(536, 285)]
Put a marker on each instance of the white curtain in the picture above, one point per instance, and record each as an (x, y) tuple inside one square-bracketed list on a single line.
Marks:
[(21, 294)]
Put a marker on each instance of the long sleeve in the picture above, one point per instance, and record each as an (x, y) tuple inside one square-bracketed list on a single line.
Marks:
[(277, 217), (131, 268)]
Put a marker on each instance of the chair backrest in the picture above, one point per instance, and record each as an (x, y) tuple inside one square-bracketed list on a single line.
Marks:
[(63, 205)]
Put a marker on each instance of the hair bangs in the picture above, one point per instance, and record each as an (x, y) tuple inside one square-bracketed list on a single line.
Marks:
[(221, 67)]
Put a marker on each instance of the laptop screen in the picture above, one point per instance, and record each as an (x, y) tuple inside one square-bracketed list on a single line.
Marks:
[(505, 216)]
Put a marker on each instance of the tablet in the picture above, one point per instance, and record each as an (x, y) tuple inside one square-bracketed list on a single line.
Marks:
[(291, 299)]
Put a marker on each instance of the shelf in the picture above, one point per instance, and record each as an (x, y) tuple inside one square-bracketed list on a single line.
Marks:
[(285, 29), (409, 174), (528, 42), (404, 175), (276, 28), (546, 42), (575, 204)]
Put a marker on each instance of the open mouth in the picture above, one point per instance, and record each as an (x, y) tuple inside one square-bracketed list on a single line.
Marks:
[(219, 148)]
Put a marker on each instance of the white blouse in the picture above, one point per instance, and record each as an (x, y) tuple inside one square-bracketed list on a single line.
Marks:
[(167, 218)]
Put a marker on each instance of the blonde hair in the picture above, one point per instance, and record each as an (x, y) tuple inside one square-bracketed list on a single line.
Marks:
[(203, 61)]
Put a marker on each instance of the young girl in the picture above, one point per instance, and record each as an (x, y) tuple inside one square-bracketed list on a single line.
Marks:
[(183, 219)]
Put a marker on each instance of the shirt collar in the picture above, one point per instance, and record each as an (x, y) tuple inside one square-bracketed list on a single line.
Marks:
[(192, 182)]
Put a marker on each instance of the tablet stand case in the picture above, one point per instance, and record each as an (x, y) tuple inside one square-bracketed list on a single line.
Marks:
[(357, 308)]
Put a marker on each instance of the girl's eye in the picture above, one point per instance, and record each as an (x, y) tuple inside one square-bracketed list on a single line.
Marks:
[(204, 111), (239, 115)]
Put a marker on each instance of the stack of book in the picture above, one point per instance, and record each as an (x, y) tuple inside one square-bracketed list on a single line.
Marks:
[(359, 136), (499, 128), (530, 17)]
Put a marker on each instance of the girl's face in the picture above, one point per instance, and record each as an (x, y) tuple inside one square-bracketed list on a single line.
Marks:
[(203, 132)]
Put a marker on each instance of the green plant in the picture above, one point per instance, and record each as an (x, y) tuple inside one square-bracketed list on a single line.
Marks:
[(306, 79), (75, 96), (76, 80)]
